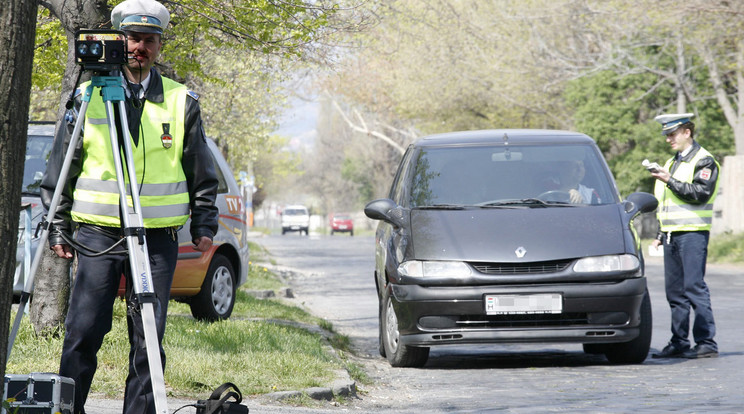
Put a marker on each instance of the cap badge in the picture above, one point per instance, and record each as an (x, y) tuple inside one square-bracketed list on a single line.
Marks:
[(143, 19)]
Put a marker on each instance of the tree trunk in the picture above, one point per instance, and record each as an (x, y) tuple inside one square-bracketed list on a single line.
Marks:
[(17, 37), (51, 294), (52, 282)]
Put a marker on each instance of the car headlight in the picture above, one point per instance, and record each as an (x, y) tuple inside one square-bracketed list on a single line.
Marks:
[(611, 263), (418, 268)]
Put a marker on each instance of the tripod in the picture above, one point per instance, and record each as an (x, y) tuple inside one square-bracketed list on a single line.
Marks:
[(132, 224)]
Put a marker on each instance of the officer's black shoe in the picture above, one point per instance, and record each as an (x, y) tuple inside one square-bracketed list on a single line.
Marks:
[(671, 351), (700, 351)]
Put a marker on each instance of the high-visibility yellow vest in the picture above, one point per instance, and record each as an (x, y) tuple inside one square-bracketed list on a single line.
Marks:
[(673, 213), (164, 195)]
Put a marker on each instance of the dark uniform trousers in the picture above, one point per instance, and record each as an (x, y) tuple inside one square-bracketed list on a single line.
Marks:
[(685, 257), (91, 309)]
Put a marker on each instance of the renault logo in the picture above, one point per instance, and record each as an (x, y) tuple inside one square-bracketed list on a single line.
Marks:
[(520, 252)]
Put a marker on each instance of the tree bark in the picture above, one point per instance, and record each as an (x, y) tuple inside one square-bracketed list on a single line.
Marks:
[(51, 294), (17, 37)]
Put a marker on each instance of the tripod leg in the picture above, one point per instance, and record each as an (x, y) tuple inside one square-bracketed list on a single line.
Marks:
[(134, 231), (28, 287)]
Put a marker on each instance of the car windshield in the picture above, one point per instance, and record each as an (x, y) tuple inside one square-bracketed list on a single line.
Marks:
[(341, 217), (295, 212), (37, 152), (534, 176)]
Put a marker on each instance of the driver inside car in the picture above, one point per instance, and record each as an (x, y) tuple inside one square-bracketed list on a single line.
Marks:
[(568, 180)]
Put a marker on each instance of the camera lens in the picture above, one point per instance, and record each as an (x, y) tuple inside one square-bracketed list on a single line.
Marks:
[(82, 49), (96, 49)]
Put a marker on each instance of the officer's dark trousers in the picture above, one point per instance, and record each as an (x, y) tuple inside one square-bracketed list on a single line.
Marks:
[(91, 308), (684, 270)]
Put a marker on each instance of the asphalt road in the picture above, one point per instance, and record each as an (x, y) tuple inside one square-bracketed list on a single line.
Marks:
[(332, 277), (334, 280)]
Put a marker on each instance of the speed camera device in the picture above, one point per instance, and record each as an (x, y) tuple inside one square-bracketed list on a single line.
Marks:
[(100, 50)]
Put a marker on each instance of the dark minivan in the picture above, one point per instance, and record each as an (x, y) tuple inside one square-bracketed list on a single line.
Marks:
[(506, 236)]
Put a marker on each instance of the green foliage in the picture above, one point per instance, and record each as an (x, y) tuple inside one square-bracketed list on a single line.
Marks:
[(618, 113), (50, 51), (50, 54), (354, 171), (261, 26), (610, 109), (727, 248)]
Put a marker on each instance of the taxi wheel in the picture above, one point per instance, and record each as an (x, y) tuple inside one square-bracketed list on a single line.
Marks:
[(216, 299)]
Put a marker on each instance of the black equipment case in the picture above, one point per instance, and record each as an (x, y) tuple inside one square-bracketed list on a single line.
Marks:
[(38, 392)]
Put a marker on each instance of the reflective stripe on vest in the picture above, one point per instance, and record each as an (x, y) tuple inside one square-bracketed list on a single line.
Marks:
[(163, 190), (675, 214)]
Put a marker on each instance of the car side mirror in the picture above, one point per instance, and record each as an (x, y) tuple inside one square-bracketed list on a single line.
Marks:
[(640, 202), (386, 210)]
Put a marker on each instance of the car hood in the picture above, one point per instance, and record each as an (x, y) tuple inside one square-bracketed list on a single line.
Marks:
[(502, 235)]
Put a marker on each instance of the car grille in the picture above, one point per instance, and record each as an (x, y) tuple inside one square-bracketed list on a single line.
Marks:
[(503, 321), (530, 268), (500, 321)]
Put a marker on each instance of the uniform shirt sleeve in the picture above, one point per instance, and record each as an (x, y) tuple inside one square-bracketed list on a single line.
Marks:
[(702, 186), (201, 176)]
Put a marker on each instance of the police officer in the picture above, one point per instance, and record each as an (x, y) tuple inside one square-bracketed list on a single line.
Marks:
[(686, 188), (177, 180)]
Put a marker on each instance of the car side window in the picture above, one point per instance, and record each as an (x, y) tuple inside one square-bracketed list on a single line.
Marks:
[(222, 187), (398, 189)]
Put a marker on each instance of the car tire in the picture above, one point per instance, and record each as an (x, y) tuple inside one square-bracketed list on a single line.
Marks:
[(635, 351), (398, 355), (351, 233), (216, 299), (331, 232)]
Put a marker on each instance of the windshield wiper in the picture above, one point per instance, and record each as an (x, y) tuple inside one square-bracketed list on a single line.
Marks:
[(442, 207), (530, 202)]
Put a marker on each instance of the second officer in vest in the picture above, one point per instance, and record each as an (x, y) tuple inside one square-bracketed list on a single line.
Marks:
[(177, 180), (686, 188)]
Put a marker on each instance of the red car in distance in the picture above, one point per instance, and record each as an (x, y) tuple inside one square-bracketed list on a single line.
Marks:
[(341, 223)]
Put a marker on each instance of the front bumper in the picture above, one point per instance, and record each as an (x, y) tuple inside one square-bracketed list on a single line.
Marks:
[(592, 313)]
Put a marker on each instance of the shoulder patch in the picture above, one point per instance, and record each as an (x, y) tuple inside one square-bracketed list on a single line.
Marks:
[(705, 174), (193, 94)]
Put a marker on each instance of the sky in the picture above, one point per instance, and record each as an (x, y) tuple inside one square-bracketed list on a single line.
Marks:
[(298, 123)]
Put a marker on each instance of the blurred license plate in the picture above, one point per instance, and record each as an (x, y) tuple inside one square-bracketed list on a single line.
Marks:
[(523, 304), (342, 227)]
